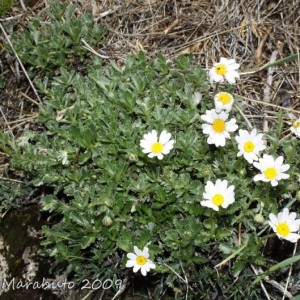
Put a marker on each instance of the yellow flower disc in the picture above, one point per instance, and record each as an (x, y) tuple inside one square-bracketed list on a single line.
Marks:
[(249, 146), (141, 260), (218, 125), (296, 125), (270, 173), (221, 69), (283, 229), (157, 148), (225, 98), (217, 199)]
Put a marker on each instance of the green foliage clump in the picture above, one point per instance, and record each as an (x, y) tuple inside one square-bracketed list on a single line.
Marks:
[(111, 196), (57, 42), (12, 194), (5, 6)]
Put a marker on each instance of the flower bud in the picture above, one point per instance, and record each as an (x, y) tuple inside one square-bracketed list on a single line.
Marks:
[(259, 218), (242, 172), (133, 157), (107, 221)]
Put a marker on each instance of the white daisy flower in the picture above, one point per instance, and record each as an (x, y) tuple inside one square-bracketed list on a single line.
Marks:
[(223, 101), (217, 128), (218, 194), (225, 68), (140, 261), (157, 147), (296, 127), (272, 170), (250, 144), (285, 224), (63, 156)]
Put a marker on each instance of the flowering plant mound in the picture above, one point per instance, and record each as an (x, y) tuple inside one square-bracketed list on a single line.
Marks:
[(128, 159)]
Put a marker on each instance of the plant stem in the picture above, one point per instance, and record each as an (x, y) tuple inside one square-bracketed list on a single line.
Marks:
[(217, 87), (212, 223)]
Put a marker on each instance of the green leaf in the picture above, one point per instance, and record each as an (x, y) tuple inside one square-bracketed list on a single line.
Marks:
[(88, 240), (222, 233), (278, 266), (199, 259), (277, 62)]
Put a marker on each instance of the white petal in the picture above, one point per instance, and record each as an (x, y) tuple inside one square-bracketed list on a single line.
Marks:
[(216, 77), (293, 237), (130, 263), (210, 140), (284, 176), (137, 251), (207, 129), (221, 185), (278, 161), (131, 256), (220, 141), (167, 147), (231, 126), (136, 268), (230, 77), (223, 116), (207, 117), (291, 218), (294, 226), (209, 187), (283, 216), (146, 252), (240, 153), (272, 226), (258, 177), (210, 205), (274, 182), (284, 168), (231, 189), (223, 60), (234, 66), (143, 271), (268, 160), (146, 150), (145, 143), (164, 137), (249, 158), (151, 264), (227, 203), (273, 219)]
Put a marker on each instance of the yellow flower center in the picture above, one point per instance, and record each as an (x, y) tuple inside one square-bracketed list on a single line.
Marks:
[(157, 148), (225, 98), (218, 125), (141, 260), (249, 146), (217, 199), (283, 229), (221, 69), (296, 125), (270, 173)]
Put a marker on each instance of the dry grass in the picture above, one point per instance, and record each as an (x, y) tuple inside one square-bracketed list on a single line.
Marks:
[(250, 31)]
